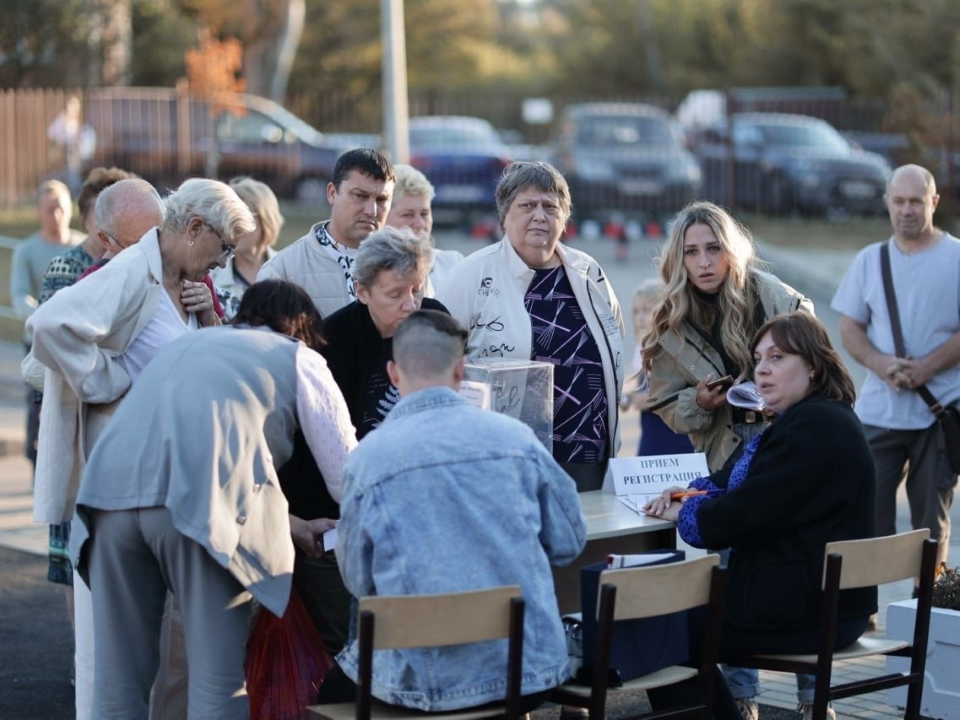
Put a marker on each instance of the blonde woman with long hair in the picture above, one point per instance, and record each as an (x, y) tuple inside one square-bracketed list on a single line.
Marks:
[(714, 299)]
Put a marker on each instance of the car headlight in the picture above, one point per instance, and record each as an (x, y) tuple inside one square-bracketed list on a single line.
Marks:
[(684, 171)]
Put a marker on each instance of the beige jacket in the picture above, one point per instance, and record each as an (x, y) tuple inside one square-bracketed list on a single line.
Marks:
[(309, 265), (76, 336), (685, 361)]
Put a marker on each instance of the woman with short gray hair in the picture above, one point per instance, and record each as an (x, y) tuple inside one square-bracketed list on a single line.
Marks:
[(528, 297), (390, 272)]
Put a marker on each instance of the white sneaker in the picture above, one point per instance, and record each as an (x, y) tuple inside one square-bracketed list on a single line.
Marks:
[(748, 708), (806, 711)]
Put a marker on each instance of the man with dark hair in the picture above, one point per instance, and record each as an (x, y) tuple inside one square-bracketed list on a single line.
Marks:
[(321, 261), (445, 497)]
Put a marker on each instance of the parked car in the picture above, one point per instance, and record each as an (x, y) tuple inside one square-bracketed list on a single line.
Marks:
[(785, 162), (625, 157), (463, 157), (167, 136)]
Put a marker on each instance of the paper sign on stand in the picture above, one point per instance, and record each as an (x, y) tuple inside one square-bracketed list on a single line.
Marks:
[(636, 480)]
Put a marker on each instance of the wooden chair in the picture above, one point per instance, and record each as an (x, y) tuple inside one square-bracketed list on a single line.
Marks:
[(423, 621), (856, 564), (646, 592)]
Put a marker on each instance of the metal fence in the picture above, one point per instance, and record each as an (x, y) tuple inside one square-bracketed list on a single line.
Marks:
[(626, 156)]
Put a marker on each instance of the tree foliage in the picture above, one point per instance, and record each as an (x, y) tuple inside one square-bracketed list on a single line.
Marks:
[(599, 48)]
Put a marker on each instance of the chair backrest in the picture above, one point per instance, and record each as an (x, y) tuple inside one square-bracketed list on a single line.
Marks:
[(876, 561), (419, 621), (406, 621), (647, 591)]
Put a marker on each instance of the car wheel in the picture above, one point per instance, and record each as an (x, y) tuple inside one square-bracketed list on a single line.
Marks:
[(311, 191)]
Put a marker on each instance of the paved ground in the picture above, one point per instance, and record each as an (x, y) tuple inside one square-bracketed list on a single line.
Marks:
[(34, 631)]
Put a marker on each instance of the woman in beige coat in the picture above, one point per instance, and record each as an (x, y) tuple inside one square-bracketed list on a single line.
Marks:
[(714, 300)]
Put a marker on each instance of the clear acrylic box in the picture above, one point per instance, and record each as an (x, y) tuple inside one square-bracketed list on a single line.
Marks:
[(522, 389)]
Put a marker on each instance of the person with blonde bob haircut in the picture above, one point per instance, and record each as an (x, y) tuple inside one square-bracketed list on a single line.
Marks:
[(253, 248), (412, 198), (715, 297)]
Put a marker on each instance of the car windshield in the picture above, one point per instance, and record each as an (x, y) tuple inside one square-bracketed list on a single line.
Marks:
[(304, 131), (815, 135), (444, 135), (606, 131)]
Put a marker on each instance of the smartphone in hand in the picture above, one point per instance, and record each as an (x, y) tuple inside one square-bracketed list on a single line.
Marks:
[(724, 382)]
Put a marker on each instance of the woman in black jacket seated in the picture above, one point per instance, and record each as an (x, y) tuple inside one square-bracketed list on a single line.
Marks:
[(805, 481)]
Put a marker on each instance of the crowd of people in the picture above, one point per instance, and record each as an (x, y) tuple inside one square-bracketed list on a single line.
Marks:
[(205, 410)]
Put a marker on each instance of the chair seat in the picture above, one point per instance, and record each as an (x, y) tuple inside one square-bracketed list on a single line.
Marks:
[(666, 676), (861, 648), (348, 711)]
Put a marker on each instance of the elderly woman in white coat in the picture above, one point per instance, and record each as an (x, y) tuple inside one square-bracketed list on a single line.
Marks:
[(528, 297), (95, 338)]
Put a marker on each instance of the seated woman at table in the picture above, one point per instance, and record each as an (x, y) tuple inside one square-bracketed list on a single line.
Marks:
[(805, 481)]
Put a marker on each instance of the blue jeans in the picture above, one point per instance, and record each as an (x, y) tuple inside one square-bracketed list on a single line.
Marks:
[(745, 683)]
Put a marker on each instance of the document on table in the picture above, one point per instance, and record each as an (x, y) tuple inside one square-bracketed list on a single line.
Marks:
[(636, 502)]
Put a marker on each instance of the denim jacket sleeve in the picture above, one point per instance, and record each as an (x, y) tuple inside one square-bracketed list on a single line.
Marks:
[(354, 546), (564, 530)]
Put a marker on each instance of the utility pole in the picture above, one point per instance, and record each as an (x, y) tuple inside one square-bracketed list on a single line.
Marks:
[(395, 110)]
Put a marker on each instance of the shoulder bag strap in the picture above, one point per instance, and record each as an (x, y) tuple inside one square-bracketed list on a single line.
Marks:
[(935, 407)]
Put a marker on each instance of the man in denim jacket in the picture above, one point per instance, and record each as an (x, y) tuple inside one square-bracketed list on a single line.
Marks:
[(446, 497)]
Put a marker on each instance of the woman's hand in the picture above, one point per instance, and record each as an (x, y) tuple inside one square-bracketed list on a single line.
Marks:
[(708, 399), (308, 534), (658, 506), (197, 298)]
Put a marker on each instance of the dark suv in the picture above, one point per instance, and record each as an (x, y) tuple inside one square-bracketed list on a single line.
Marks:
[(625, 157), (785, 162)]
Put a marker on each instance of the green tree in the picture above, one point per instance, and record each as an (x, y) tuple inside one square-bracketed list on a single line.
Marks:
[(43, 43)]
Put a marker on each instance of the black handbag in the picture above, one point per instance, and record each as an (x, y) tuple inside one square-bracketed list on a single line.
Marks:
[(948, 418)]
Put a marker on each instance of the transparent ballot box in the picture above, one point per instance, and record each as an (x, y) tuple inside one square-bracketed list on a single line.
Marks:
[(522, 389)]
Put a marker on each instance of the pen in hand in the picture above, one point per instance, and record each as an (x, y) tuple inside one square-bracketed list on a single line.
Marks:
[(688, 493)]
